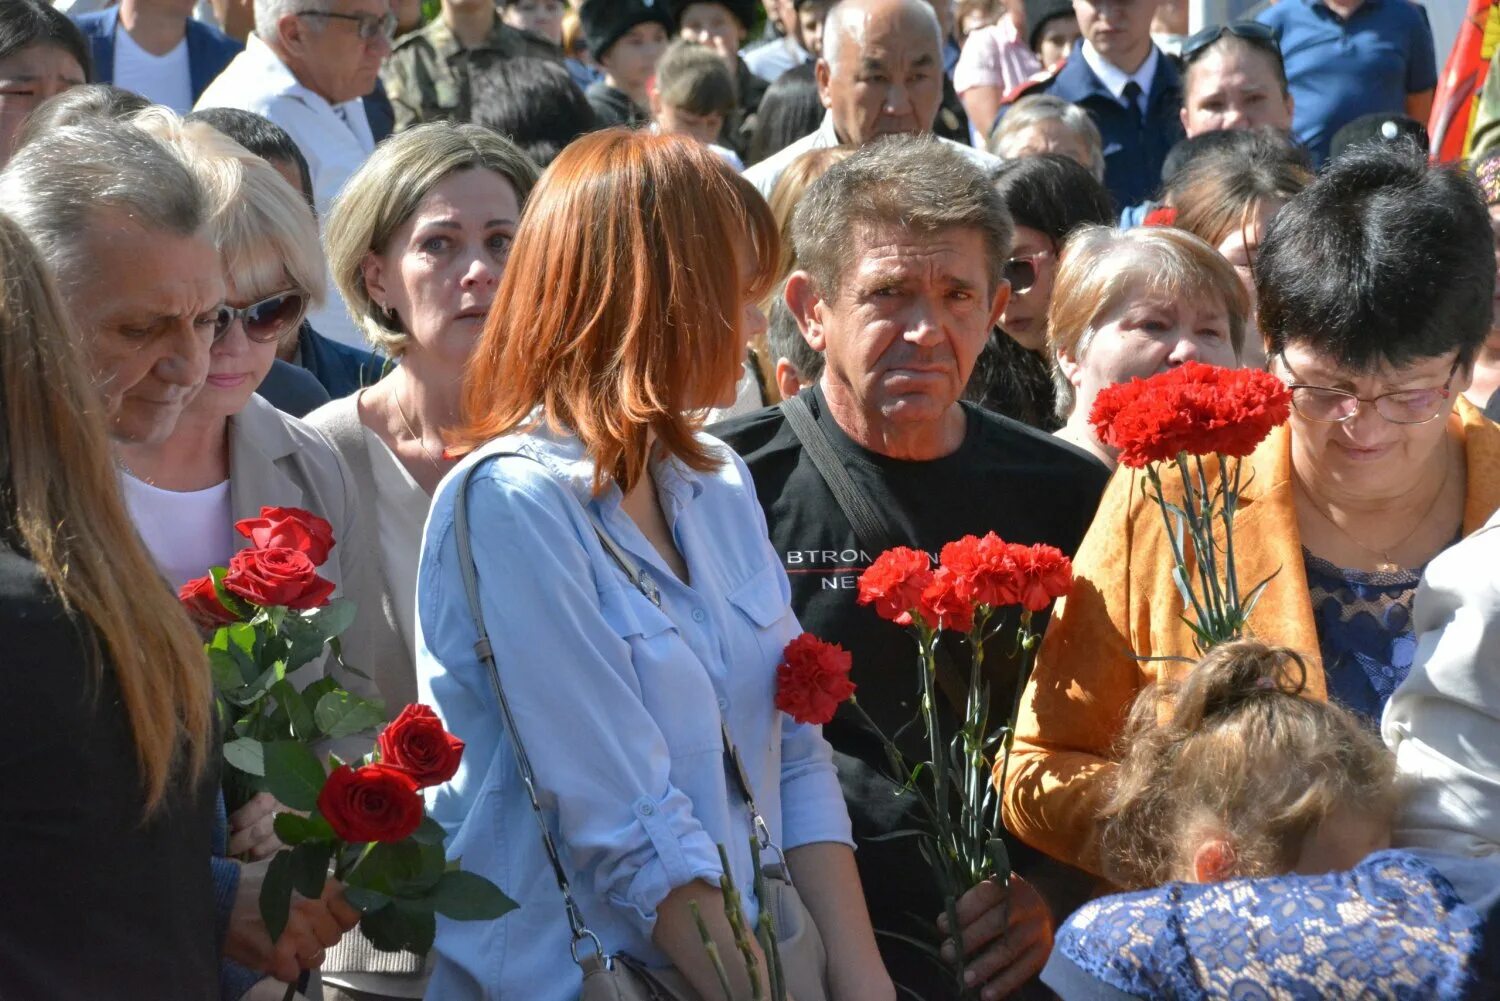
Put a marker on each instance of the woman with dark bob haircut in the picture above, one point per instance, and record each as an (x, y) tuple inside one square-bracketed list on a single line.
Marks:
[(1048, 197), (583, 463), (42, 53), (1375, 286)]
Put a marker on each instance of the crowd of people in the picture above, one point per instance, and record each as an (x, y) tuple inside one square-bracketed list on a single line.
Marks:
[(624, 335)]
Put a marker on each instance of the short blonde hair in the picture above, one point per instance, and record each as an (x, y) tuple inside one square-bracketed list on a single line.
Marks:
[(387, 189), (1098, 266), (263, 227)]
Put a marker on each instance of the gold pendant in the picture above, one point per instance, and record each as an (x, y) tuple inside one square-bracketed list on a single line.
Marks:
[(1386, 566)]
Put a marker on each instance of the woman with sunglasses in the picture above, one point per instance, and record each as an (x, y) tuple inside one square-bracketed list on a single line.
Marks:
[(1233, 78), (1375, 287), (1048, 197)]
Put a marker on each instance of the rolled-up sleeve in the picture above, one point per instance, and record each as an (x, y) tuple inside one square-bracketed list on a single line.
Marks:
[(812, 804), (601, 761)]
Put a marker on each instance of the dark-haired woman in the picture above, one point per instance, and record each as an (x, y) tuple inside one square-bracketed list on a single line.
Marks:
[(42, 53), (1375, 287), (1048, 197)]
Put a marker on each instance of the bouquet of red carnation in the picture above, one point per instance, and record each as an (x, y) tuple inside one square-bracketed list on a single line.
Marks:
[(974, 580), (270, 614), (1178, 420)]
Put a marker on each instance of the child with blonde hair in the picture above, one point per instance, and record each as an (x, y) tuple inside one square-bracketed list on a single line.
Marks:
[(1255, 826)]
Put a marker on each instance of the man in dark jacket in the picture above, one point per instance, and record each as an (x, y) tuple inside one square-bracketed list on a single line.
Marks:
[(1129, 87)]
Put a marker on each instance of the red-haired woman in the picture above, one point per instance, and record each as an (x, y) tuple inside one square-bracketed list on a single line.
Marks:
[(630, 292)]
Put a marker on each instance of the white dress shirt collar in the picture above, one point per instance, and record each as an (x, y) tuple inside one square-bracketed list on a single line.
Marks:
[(1115, 79)]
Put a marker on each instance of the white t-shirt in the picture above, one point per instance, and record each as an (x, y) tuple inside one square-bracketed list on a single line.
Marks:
[(159, 79), (186, 532)]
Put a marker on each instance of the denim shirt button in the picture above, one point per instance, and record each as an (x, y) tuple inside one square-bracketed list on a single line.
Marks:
[(723, 704), (645, 808), (698, 615)]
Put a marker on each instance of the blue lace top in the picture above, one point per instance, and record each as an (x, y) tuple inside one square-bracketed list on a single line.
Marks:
[(1365, 633), (1391, 929)]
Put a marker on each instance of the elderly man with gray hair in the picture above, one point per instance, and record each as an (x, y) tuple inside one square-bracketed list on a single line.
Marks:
[(902, 249), (307, 68), (124, 227), (881, 73)]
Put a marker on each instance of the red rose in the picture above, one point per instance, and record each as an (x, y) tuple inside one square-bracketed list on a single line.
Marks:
[(894, 583), (983, 570), (813, 679), (269, 577), (202, 603), (1045, 574), (416, 743), (943, 604), (289, 528), (1194, 408), (371, 803)]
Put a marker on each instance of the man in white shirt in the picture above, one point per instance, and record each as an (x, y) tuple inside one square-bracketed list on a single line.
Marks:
[(306, 68), (155, 49), (881, 73)]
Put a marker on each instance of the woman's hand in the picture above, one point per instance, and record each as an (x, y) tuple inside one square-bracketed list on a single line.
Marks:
[(1003, 946), (252, 831), (312, 927)]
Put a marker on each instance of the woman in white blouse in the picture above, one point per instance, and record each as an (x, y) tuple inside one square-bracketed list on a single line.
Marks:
[(416, 242)]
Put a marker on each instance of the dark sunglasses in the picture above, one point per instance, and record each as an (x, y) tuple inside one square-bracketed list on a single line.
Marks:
[(1021, 272), (1254, 32), (264, 321)]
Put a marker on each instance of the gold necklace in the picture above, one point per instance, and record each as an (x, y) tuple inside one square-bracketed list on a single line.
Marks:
[(421, 443), (1386, 564)]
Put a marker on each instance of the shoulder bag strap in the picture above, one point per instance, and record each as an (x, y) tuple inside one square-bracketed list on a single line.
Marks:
[(486, 653)]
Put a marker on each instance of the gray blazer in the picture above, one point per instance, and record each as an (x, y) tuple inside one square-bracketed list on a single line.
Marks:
[(277, 461)]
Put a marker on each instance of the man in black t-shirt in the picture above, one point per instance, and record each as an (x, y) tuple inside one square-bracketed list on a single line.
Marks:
[(901, 249)]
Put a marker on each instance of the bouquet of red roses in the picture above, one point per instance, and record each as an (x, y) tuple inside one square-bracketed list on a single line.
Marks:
[(270, 614), (1178, 420), (976, 578)]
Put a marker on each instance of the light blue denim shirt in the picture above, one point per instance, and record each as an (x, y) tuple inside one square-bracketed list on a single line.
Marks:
[(618, 703)]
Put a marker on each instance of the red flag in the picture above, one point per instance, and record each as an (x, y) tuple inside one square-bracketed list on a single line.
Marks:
[(1458, 88)]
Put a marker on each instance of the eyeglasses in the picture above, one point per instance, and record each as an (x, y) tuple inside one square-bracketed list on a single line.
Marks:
[(1335, 406), (1254, 32), (371, 27), (264, 321), (1021, 272)]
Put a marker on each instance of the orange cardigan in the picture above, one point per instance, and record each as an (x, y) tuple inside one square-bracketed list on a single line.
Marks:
[(1124, 604)]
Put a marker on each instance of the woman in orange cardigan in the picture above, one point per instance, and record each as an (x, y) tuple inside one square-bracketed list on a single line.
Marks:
[(1376, 288)]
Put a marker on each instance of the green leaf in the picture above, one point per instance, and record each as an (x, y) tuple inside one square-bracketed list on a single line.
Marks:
[(300, 718), (999, 860), (429, 833), (294, 829), (276, 895), (246, 754), (365, 900), (341, 714), (310, 867), (466, 896), (393, 928), (293, 774), (334, 618), (224, 669), (305, 641)]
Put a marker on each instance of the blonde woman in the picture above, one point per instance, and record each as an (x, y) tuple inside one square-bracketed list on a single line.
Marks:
[(1130, 304), (110, 770), (417, 243)]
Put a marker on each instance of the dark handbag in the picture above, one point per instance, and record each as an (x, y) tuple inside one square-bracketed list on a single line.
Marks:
[(619, 976)]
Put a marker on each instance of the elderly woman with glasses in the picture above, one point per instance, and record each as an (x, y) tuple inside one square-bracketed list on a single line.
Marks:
[(232, 453), (1375, 287)]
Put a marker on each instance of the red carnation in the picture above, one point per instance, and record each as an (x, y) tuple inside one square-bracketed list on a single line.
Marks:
[(894, 583), (1194, 408), (417, 743), (1045, 574), (371, 803), (269, 577), (1162, 215), (202, 603), (813, 679), (289, 528), (982, 569), (943, 604)]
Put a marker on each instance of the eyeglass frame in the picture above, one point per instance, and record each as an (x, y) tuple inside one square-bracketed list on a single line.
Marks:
[(1031, 259), (229, 314), (1257, 34), (1444, 392), (370, 28)]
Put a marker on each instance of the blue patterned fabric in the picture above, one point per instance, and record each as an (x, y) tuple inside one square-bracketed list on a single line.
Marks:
[(1364, 631), (1391, 929)]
